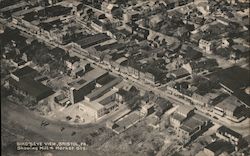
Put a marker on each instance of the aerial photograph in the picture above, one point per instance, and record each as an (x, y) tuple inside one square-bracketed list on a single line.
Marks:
[(125, 77)]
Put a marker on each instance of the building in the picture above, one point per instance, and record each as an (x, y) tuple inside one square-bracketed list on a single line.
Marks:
[(91, 40), (80, 88), (98, 25), (180, 73), (147, 109), (193, 127), (162, 105), (182, 113), (72, 62), (93, 109), (206, 46), (24, 72), (102, 90), (231, 136), (185, 110), (125, 94), (23, 83), (83, 86), (218, 147), (230, 107)]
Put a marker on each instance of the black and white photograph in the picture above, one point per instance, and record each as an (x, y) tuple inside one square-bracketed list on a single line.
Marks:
[(125, 77)]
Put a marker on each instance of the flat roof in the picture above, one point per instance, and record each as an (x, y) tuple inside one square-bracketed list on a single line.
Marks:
[(25, 71), (94, 105), (106, 79), (219, 146), (94, 74), (92, 40)]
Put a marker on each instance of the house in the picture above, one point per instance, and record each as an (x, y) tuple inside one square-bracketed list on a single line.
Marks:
[(80, 68), (231, 136), (125, 94), (141, 32), (147, 109), (206, 46), (182, 113), (121, 96), (217, 147), (192, 127), (108, 7), (162, 105), (131, 15)]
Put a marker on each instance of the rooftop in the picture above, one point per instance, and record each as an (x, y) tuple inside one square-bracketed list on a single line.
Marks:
[(219, 146), (32, 87), (230, 104), (236, 79), (192, 123), (185, 109), (94, 74), (25, 71), (92, 40), (224, 130), (178, 117), (94, 105), (104, 89)]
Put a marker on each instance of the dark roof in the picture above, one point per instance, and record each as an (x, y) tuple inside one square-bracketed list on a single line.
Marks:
[(224, 129), (106, 79), (98, 22), (118, 46), (219, 146), (104, 89), (122, 92), (74, 59), (53, 11), (190, 53), (236, 79), (92, 40), (50, 25), (32, 87), (24, 72)]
